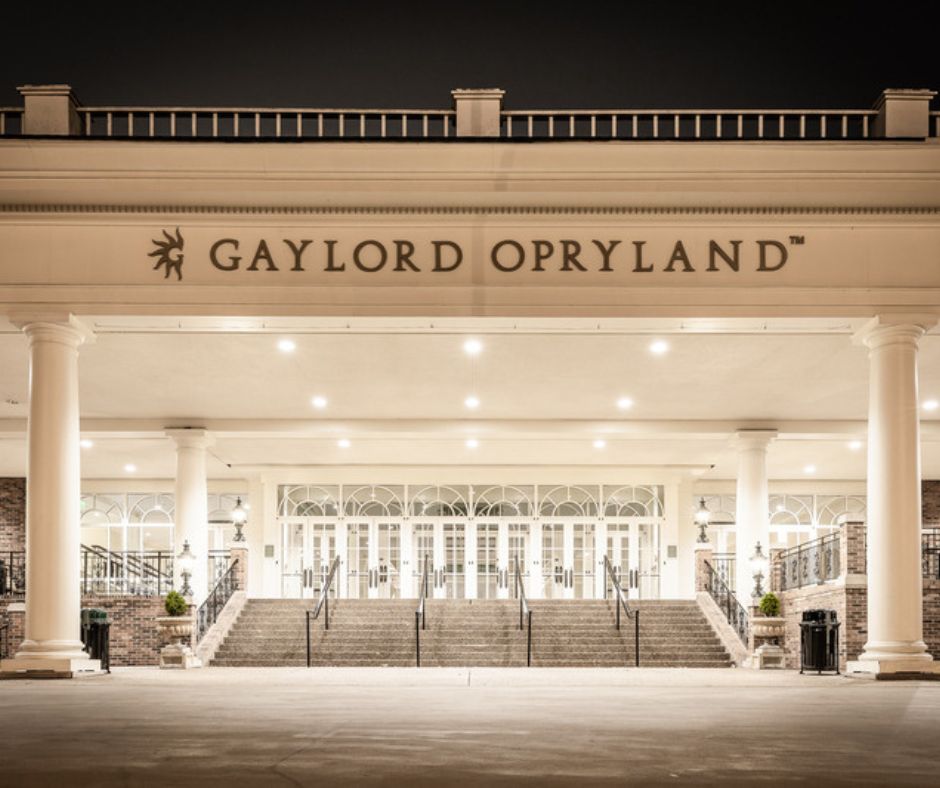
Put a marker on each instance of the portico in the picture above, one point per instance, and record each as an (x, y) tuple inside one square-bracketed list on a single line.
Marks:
[(752, 262)]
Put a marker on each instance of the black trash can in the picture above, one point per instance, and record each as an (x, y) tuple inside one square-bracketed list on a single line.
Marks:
[(96, 635), (819, 641)]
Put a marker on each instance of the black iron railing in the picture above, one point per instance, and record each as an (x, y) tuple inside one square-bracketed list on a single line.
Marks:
[(13, 573), (218, 564), (525, 612), (323, 604), (930, 553), (726, 564), (420, 611), (811, 562), (208, 612), (724, 597), (622, 604), (148, 573), (4, 639)]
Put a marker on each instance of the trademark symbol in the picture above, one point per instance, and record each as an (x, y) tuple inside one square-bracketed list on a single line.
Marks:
[(796, 240)]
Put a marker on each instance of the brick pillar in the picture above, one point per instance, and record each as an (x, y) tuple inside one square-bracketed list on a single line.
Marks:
[(775, 581), (239, 552), (852, 559), (703, 553)]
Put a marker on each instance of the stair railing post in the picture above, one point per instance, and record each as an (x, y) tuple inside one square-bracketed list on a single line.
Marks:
[(636, 635), (308, 638), (528, 656), (326, 624), (417, 642)]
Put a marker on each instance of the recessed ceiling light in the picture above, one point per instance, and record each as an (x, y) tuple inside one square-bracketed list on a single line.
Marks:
[(472, 402), (472, 443), (319, 402), (600, 443), (809, 469), (85, 443), (855, 445), (343, 443), (931, 404), (472, 347), (286, 345), (659, 347), (130, 468), (624, 403)]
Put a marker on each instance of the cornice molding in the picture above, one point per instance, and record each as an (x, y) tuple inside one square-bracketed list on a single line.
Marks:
[(496, 210)]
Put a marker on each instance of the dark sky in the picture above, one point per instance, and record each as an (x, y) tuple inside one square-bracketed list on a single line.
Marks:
[(400, 54)]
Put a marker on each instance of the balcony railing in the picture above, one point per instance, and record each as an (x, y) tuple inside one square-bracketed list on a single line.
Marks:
[(811, 562), (297, 123)]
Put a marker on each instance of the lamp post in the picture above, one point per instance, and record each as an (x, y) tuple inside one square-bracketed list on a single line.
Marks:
[(186, 569), (239, 515), (758, 565), (702, 516)]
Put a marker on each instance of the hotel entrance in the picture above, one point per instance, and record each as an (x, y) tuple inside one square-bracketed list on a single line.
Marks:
[(309, 546), (633, 549)]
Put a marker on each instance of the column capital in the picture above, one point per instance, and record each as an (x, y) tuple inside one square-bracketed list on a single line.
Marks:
[(53, 327), (190, 437), (894, 328), (745, 440)]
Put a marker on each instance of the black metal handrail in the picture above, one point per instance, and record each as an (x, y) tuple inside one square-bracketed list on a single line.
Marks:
[(323, 603), (525, 612), (4, 639), (622, 603), (726, 600), (129, 572), (420, 616), (13, 573), (221, 593)]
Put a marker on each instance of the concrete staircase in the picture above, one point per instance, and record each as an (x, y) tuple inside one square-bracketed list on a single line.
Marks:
[(463, 633)]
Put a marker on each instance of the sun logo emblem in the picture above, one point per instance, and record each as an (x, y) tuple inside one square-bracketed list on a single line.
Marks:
[(165, 257)]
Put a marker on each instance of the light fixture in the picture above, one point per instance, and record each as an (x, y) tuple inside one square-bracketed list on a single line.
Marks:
[(624, 403), (472, 443), (239, 515), (319, 402), (702, 516), (287, 345), (343, 443), (472, 402), (855, 445), (186, 559), (600, 443), (130, 468), (931, 404), (659, 347), (472, 347), (758, 568), (809, 469), (85, 443)]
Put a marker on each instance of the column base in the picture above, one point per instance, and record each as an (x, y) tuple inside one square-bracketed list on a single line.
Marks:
[(904, 667), (48, 667)]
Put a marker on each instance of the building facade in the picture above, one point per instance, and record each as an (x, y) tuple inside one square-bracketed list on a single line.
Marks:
[(494, 338)]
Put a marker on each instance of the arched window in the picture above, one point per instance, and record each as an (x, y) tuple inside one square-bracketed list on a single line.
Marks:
[(633, 501), (502, 501), (566, 501), (436, 501), (374, 501), (308, 500)]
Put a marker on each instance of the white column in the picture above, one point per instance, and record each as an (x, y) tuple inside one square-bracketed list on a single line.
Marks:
[(752, 513), (192, 515), (895, 614), (53, 597)]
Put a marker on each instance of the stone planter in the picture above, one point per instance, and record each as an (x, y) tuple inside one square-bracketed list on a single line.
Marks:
[(178, 630), (768, 627)]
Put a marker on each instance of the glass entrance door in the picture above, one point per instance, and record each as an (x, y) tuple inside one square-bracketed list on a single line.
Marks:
[(553, 560), (633, 548), (422, 544), (387, 560), (308, 547), (487, 560), (454, 547)]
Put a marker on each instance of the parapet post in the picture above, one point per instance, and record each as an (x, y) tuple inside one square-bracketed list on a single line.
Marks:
[(50, 109), (478, 111), (903, 114)]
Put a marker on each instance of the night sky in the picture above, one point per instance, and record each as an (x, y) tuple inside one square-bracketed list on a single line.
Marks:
[(390, 54)]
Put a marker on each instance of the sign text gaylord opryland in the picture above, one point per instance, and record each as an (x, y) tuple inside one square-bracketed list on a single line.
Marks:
[(505, 255)]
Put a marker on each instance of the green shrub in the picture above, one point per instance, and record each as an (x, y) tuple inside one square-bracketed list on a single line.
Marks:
[(769, 605), (175, 604)]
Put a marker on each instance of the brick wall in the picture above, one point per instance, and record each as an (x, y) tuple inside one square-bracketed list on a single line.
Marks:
[(134, 636), (12, 514)]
